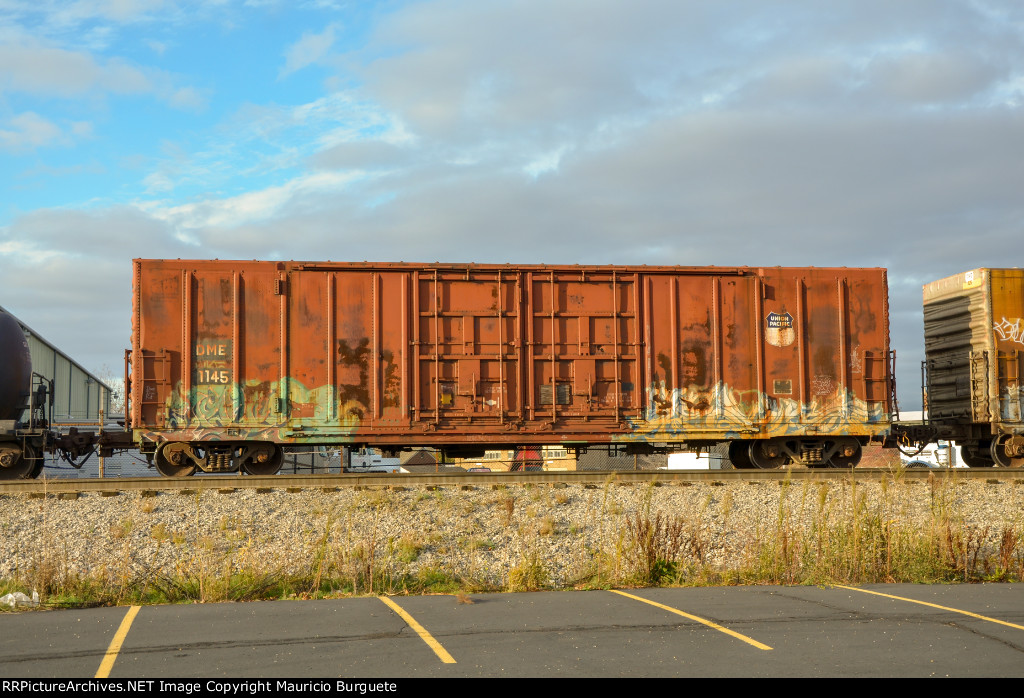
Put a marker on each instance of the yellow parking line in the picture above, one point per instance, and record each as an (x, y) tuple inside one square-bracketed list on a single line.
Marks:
[(420, 630), (115, 645), (934, 605), (710, 624)]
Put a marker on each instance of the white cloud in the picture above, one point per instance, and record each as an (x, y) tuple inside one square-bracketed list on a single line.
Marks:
[(82, 129), (27, 131), (261, 143), (95, 23), (45, 70), (308, 50), (38, 70), (254, 206), (547, 162), (157, 182), (931, 77), (187, 99)]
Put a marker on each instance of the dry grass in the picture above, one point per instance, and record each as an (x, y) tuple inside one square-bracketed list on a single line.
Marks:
[(818, 534)]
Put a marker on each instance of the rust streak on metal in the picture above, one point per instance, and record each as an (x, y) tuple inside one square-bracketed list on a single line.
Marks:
[(617, 346), (716, 336), (844, 363), (674, 342), (332, 342), (187, 343), (759, 321), (403, 349), (437, 351), (801, 343), (554, 342), (416, 349), (236, 343), (501, 354), (281, 406)]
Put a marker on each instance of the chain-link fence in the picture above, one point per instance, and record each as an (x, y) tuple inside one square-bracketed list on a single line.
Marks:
[(303, 460), (557, 458), (312, 460)]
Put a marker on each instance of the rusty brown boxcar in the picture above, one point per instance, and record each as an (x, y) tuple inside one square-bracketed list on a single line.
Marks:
[(974, 344), (232, 360)]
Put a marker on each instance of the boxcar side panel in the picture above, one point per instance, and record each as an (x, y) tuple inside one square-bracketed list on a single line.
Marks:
[(1006, 287), (431, 354), (957, 343), (784, 352), (974, 348)]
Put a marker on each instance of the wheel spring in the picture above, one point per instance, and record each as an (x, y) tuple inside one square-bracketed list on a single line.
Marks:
[(218, 462), (810, 455)]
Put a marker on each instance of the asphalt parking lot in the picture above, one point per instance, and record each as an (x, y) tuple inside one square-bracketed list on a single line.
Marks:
[(882, 630)]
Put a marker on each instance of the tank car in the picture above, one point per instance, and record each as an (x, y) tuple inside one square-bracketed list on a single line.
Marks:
[(974, 356), (20, 455), (232, 361)]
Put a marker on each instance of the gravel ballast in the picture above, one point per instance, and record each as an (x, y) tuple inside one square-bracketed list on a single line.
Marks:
[(477, 535)]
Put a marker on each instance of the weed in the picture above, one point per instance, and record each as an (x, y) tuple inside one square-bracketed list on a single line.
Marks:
[(159, 533), (528, 575), (510, 509), (1010, 559), (320, 556), (122, 529), (434, 580), (377, 499), (546, 527), (408, 548), (472, 544), (655, 546)]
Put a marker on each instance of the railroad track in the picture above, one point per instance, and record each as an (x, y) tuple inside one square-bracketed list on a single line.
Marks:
[(57, 487)]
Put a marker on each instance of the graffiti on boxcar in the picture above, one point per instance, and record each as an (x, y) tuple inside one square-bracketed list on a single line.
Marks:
[(683, 414), (278, 434), (856, 360), (821, 384), (1010, 331), (258, 404)]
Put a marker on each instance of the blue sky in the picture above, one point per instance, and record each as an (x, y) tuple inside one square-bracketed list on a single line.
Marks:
[(726, 132), (169, 104)]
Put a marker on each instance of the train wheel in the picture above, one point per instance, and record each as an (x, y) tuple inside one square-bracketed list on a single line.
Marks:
[(266, 460), (171, 460), (15, 464), (766, 455), (847, 454), (37, 461), (739, 454), (976, 456), (1003, 446)]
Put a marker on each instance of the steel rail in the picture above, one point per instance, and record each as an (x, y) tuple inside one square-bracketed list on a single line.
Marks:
[(47, 486)]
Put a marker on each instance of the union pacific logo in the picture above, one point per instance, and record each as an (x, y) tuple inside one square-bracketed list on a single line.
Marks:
[(779, 321)]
